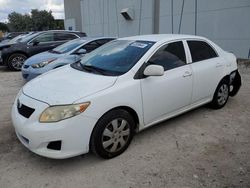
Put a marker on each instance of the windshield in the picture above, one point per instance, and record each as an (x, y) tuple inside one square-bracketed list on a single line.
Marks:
[(28, 37), (16, 39), (68, 46), (116, 57)]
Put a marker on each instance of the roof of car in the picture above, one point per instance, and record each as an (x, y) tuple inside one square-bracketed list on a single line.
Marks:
[(159, 37)]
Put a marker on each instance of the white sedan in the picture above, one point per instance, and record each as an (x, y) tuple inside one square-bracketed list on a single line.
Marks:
[(121, 88)]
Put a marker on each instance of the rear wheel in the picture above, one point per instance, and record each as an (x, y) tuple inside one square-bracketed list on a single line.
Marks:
[(112, 134), (221, 95), (15, 61)]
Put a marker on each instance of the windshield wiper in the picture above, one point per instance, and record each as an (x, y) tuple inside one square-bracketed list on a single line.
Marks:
[(91, 68)]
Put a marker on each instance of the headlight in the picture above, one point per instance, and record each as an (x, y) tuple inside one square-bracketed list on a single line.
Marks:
[(58, 113), (42, 64)]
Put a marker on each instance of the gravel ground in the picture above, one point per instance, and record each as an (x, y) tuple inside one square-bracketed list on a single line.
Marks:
[(202, 148)]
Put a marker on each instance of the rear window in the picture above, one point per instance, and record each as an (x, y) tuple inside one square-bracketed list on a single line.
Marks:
[(201, 50)]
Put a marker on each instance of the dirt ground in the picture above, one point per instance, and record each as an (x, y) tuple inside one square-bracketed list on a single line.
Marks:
[(202, 148)]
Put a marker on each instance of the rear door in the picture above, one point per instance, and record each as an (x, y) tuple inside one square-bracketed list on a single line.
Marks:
[(207, 69), (163, 95)]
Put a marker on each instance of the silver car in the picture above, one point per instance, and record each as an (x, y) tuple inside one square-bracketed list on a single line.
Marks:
[(64, 54)]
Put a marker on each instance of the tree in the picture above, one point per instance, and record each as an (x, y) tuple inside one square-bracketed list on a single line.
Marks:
[(16, 21), (37, 20), (3, 27), (42, 20)]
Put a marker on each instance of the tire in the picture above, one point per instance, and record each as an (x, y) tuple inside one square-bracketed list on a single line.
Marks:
[(112, 134), (221, 95), (15, 61)]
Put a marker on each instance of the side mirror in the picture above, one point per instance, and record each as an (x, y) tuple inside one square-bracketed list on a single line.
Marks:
[(81, 51), (154, 70)]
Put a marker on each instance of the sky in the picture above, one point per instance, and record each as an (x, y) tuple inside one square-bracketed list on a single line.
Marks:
[(25, 6)]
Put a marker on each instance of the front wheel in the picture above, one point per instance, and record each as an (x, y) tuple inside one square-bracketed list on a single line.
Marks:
[(15, 61), (112, 134), (221, 95)]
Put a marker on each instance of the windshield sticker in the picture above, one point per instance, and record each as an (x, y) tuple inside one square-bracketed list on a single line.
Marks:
[(139, 45)]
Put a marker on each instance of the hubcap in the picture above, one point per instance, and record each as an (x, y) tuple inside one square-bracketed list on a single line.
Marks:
[(222, 94), (17, 62), (115, 135)]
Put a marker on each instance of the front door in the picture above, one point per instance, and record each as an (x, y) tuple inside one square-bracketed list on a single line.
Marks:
[(163, 95)]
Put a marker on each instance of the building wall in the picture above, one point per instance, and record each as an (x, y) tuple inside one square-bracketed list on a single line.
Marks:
[(226, 22), (73, 18), (102, 17), (223, 21)]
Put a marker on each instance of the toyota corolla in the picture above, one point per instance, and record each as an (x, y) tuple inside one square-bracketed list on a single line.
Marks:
[(121, 88)]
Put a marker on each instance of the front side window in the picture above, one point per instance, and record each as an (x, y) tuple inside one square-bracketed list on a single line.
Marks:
[(169, 56), (201, 51), (48, 37), (116, 57)]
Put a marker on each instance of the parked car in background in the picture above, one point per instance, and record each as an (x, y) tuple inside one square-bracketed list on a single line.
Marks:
[(124, 86), (11, 35), (15, 39), (13, 55), (64, 54)]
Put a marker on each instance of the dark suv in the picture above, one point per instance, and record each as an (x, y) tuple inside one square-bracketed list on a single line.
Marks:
[(14, 55)]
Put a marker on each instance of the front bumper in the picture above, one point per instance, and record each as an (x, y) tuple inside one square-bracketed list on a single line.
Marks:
[(29, 73), (74, 133)]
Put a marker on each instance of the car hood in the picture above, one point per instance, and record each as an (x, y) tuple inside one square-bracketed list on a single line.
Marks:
[(44, 56), (66, 85), (4, 45)]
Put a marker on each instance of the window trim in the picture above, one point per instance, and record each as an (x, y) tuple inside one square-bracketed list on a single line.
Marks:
[(200, 40), (30, 42)]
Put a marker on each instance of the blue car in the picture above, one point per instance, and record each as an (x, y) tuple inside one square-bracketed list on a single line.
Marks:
[(64, 54)]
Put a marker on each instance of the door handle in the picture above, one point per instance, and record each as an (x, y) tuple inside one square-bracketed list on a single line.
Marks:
[(218, 65), (187, 73)]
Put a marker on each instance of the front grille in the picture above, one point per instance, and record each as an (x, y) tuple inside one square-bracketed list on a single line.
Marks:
[(26, 66), (24, 110)]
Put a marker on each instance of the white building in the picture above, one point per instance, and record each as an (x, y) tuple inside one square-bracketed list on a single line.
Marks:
[(226, 22)]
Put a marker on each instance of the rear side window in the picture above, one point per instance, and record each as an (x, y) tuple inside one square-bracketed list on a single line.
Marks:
[(201, 51), (64, 36), (169, 56), (91, 46)]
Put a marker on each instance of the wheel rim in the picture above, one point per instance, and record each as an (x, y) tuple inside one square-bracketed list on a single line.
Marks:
[(222, 94), (115, 135), (17, 62)]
